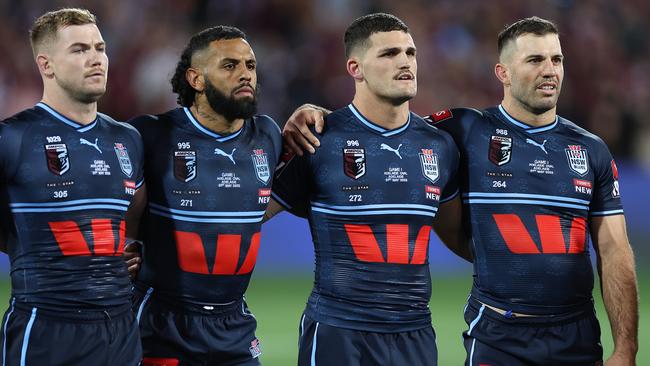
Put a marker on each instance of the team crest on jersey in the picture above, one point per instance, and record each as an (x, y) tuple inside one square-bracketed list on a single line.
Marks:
[(123, 159), (261, 165), (578, 160), (58, 161), (185, 165), (500, 151), (429, 163), (354, 163)]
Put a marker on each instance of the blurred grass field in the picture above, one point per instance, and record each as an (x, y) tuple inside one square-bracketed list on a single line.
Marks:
[(278, 301)]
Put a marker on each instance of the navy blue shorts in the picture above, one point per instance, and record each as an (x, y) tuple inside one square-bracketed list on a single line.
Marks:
[(34, 336), (496, 340), (176, 334), (324, 345)]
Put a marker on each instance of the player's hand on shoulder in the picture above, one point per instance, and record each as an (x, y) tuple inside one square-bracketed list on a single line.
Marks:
[(133, 257), (297, 136)]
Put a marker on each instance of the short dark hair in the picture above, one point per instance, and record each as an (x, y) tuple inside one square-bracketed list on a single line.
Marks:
[(534, 25), (44, 29), (363, 27), (198, 42)]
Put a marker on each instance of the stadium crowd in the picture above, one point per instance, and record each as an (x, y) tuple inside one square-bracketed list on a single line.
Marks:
[(299, 51)]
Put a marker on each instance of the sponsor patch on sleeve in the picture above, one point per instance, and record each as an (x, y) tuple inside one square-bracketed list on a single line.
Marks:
[(440, 116)]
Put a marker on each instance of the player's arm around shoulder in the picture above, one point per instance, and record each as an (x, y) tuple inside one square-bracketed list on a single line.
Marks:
[(133, 247), (458, 122), (448, 223), (618, 285), (291, 182)]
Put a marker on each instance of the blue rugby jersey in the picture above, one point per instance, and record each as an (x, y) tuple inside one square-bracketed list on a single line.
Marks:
[(207, 197), (530, 192), (372, 195), (65, 190)]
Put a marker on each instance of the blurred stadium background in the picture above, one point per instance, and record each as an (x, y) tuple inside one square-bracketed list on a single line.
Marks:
[(298, 44)]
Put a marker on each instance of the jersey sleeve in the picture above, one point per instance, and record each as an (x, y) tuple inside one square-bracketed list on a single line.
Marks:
[(139, 155), (607, 196), (275, 134), (291, 183), (457, 122), (10, 144), (140, 125), (453, 156)]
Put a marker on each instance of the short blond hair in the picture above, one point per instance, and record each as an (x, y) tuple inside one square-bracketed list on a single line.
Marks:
[(45, 27)]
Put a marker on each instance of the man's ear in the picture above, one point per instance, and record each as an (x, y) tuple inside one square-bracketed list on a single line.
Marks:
[(45, 65), (195, 78), (503, 73), (354, 68)]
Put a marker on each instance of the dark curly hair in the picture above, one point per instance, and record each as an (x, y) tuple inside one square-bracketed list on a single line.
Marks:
[(198, 42)]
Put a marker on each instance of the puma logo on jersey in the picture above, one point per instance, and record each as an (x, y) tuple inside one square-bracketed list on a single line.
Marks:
[(86, 142), (396, 151), (218, 151), (541, 146)]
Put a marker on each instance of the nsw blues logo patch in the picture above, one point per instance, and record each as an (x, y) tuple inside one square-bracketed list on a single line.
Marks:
[(123, 159), (429, 163), (261, 165), (578, 159)]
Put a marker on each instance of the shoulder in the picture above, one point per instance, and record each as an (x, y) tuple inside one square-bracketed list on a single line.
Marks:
[(266, 123), (586, 137), (583, 134), (151, 126), (145, 121), (596, 147), (123, 127), (432, 134), (22, 119), (340, 115), (448, 117), (337, 120), (458, 122)]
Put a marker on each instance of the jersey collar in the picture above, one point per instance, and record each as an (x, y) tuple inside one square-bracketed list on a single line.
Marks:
[(218, 137), (526, 127), (375, 127), (74, 124)]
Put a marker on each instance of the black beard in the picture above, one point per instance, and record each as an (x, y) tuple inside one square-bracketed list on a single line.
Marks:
[(228, 106)]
